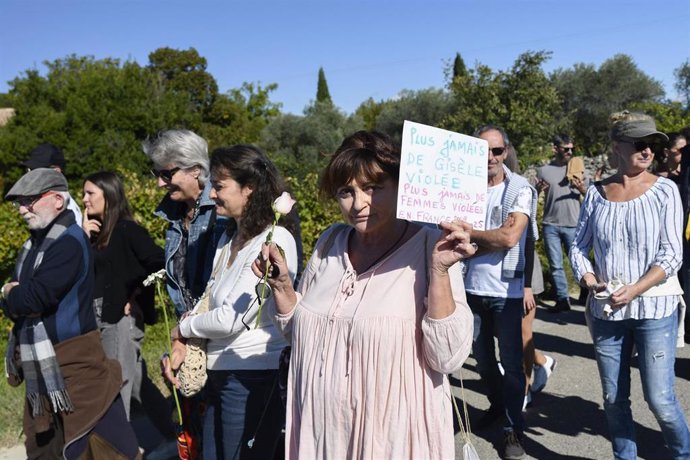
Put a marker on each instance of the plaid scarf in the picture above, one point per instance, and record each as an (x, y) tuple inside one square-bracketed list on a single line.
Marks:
[(45, 387)]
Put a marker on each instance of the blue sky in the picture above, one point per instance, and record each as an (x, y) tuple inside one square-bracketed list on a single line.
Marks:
[(367, 48)]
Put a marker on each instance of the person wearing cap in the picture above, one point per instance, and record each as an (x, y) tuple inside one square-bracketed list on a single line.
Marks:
[(562, 197), (632, 221), (50, 156), (73, 403)]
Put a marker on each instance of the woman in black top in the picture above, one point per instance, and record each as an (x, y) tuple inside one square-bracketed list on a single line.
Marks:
[(124, 254)]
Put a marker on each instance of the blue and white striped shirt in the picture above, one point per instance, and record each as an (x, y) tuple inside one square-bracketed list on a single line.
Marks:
[(628, 238)]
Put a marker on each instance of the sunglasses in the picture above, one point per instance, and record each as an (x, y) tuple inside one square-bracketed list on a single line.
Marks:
[(643, 145), (568, 149), (165, 174), (29, 201), (497, 151), (263, 292)]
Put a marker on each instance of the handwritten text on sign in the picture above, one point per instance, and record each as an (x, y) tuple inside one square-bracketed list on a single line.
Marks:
[(442, 176)]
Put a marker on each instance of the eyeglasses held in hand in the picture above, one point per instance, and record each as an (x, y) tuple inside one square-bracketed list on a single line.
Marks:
[(165, 174), (263, 292)]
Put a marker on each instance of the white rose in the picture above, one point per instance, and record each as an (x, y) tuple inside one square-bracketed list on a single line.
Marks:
[(283, 204)]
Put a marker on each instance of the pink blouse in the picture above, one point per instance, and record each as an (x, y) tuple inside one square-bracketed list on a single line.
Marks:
[(368, 369)]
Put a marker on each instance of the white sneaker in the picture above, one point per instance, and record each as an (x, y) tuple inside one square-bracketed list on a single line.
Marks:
[(541, 374), (528, 400)]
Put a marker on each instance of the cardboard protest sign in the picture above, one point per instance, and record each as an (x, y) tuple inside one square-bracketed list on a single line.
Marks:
[(442, 176)]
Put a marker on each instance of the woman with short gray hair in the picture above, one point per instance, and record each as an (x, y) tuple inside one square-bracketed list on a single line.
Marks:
[(181, 164), (181, 147)]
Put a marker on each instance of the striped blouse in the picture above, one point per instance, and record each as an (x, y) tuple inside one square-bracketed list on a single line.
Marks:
[(628, 238)]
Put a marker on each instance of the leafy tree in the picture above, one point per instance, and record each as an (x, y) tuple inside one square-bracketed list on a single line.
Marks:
[(522, 100), (185, 71), (429, 106), (97, 111), (669, 116), (590, 95), (4, 100), (682, 84), (240, 115), (323, 96), (369, 111), (298, 143)]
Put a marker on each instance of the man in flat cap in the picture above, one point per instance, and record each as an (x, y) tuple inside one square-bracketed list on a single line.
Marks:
[(72, 404), (50, 156)]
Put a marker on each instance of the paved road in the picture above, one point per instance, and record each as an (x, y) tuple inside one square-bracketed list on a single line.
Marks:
[(566, 420)]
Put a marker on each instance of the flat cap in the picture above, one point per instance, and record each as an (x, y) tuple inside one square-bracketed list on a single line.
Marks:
[(36, 182)]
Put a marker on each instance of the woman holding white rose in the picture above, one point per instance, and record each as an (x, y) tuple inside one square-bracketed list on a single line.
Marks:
[(379, 319), (244, 417)]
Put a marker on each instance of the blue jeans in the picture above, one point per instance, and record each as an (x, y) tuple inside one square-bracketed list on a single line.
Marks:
[(554, 239), (656, 346), (495, 316), (242, 405)]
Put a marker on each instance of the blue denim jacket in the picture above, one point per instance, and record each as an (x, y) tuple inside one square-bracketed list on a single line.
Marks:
[(204, 232)]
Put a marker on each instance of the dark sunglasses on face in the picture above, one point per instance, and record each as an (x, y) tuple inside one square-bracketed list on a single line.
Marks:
[(566, 149), (497, 151), (642, 145), (165, 174)]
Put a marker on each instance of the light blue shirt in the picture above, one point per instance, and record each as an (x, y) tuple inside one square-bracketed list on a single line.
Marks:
[(628, 238)]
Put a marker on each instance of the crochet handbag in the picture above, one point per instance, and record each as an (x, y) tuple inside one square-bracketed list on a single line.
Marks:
[(192, 373)]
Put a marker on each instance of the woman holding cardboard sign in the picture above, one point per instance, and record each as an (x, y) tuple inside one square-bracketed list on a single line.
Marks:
[(379, 319)]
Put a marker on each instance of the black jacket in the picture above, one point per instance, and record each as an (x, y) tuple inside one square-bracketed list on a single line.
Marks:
[(131, 255), (60, 289)]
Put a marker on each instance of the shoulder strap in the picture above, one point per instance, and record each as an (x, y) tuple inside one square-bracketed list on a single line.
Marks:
[(327, 245), (428, 250), (330, 239)]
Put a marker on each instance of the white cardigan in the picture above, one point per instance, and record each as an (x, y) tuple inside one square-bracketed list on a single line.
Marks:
[(231, 346)]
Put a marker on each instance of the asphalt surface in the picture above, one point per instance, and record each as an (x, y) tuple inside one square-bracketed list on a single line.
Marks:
[(565, 421)]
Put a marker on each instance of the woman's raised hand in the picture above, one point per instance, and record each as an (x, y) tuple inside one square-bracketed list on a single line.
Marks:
[(278, 276), (453, 245), (90, 226)]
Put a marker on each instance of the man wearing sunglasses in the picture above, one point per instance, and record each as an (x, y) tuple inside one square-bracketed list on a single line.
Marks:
[(494, 283), (73, 396), (50, 156), (561, 211)]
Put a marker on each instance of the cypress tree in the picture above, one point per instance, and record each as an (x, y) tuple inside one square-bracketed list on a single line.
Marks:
[(322, 93), (459, 68)]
